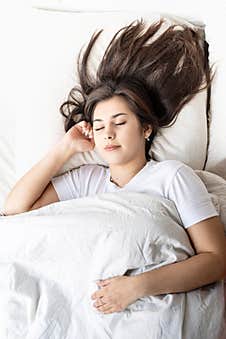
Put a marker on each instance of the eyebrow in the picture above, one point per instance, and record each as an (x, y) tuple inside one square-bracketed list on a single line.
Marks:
[(113, 116)]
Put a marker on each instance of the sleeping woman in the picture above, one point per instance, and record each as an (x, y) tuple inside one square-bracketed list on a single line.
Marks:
[(141, 85)]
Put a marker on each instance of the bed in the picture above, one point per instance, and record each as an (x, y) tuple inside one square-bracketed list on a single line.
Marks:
[(44, 293)]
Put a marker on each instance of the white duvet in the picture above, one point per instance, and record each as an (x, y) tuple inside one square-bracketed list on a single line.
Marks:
[(50, 260)]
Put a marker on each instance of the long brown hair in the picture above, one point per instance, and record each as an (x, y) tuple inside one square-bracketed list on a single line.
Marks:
[(157, 76)]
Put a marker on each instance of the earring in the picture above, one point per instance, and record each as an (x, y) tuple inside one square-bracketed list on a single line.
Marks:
[(147, 138)]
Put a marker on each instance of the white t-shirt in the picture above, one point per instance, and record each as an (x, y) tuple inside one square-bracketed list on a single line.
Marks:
[(170, 179)]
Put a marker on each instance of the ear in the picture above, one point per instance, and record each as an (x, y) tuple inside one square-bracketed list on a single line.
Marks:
[(147, 130)]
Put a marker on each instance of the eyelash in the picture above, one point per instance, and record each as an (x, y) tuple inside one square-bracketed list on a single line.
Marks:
[(122, 123)]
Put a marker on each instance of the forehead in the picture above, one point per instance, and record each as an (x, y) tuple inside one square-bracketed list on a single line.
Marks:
[(111, 108)]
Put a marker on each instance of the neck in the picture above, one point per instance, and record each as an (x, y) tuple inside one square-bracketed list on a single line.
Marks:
[(122, 174)]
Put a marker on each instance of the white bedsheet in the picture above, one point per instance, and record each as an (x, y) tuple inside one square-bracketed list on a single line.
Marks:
[(50, 259)]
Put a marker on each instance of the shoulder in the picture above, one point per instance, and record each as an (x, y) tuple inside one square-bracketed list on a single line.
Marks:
[(176, 168), (174, 175), (168, 166), (167, 163), (187, 173), (182, 174)]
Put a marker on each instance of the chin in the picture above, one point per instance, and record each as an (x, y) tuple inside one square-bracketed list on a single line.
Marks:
[(116, 160)]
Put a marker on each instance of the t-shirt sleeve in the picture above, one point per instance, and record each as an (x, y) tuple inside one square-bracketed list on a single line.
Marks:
[(80, 182), (191, 197), (67, 185)]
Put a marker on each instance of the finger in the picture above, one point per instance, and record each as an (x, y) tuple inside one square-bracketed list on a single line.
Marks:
[(89, 125), (82, 123), (105, 308), (111, 310), (103, 282), (92, 143), (97, 294), (100, 302), (99, 306), (108, 280), (89, 128), (91, 134), (87, 131)]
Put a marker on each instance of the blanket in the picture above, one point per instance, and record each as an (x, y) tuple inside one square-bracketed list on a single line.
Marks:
[(51, 258)]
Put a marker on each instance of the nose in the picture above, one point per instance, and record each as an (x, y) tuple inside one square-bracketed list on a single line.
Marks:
[(109, 133)]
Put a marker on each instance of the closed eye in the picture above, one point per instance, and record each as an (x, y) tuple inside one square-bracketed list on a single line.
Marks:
[(97, 129), (122, 123)]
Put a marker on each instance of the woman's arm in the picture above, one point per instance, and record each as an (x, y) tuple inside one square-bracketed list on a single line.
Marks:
[(207, 266), (27, 193), (31, 186)]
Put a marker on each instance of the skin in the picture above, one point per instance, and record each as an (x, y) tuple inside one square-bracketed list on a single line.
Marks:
[(115, 294), (115, 123)]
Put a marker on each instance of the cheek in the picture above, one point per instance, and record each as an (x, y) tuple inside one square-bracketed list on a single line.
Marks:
[(97, 140), (132, 136)]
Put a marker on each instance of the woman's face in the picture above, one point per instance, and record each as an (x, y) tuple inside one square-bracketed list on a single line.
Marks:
[(115, 124)]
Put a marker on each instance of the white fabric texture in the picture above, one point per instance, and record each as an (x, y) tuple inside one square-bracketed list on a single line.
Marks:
[(170, 179), (216, 161), (50, 259), (216, 187), (7, 174)]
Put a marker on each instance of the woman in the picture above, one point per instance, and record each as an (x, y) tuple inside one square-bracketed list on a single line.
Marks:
[(139, 87)]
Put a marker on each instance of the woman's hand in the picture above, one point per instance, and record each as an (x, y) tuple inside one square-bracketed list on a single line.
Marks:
[(79, 138), (115, 294)]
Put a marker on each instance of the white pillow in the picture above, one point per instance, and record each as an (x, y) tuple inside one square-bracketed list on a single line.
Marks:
[(216, 186), (57, 39), (216, 161)]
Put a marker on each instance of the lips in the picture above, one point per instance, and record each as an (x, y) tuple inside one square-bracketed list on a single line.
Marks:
[(111, 147)]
